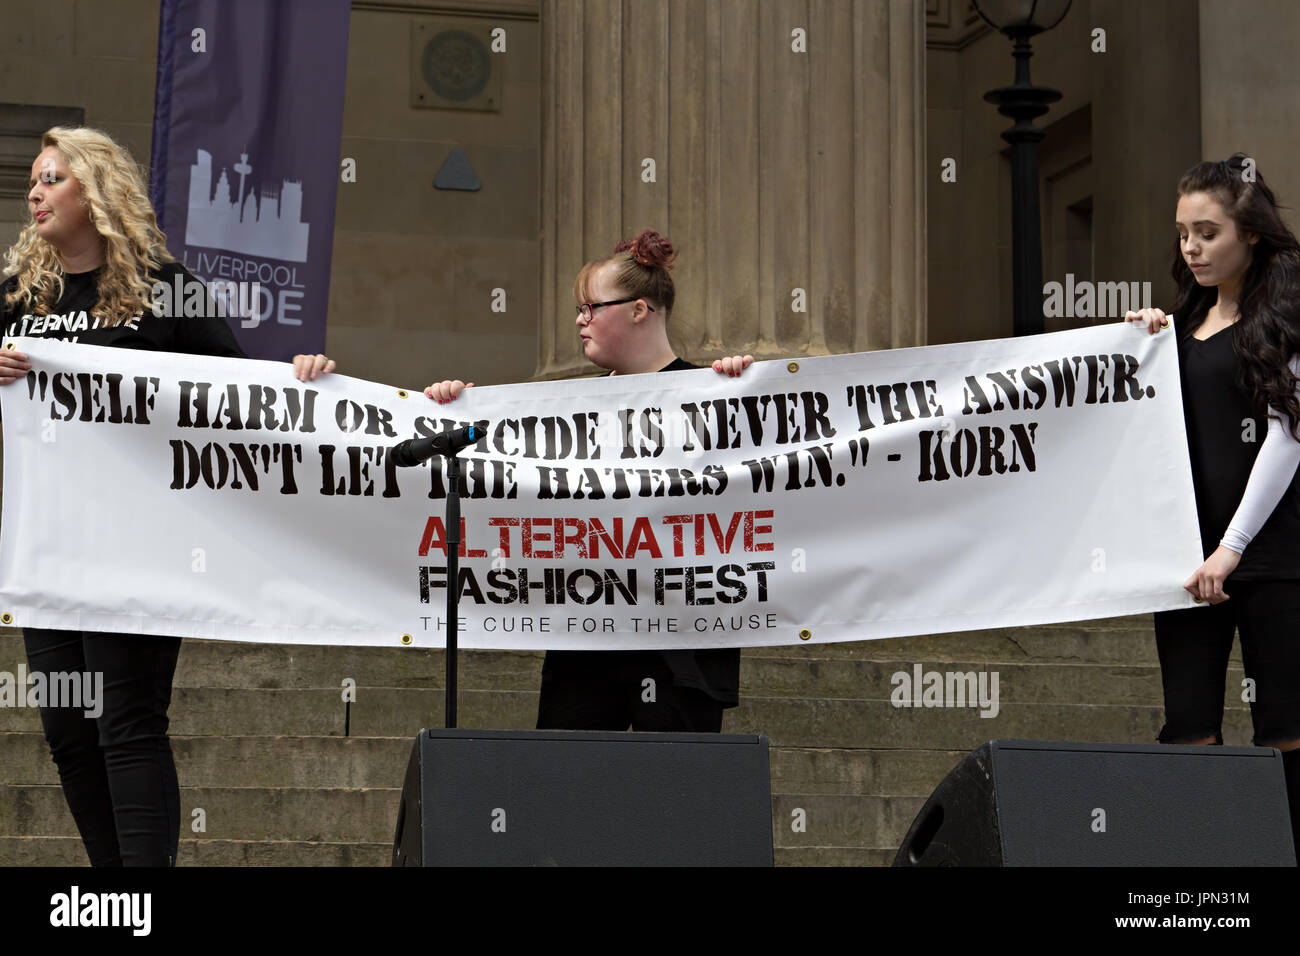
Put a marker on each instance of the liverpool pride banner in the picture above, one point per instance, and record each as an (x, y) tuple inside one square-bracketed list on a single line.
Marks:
[(873, 495), (248, 116)]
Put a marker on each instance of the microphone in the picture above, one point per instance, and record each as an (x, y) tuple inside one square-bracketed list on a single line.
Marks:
[(413, 451)]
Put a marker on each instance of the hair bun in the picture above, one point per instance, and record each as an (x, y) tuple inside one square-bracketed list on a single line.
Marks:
[(649, 249)]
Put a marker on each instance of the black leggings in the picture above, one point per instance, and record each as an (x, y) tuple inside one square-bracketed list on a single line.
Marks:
[(117, 770), (1194, 644)]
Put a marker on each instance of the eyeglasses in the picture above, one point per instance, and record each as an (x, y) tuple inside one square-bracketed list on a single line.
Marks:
[(587, 308)]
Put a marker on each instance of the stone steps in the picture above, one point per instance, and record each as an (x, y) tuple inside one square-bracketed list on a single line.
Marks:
[(287, 773), (787, 721), (380, 762), (1118, 641), (67, 851), (297, 814), (298, 786), (368, 815)]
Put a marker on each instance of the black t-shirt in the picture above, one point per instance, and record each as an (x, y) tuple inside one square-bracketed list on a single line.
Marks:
[(713, 671), (71, 319), (1219, 414)]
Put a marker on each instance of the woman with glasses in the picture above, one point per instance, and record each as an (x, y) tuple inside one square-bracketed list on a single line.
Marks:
[(624, 304), (1237, 266)]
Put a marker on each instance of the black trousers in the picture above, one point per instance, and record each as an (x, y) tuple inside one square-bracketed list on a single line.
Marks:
[(612, 690), (1194, 644), (117, 770)]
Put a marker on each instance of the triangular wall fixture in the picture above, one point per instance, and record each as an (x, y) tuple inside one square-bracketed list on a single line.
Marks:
[(457, 173)]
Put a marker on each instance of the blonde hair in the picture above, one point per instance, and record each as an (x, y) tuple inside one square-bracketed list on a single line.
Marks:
[(114, 190)]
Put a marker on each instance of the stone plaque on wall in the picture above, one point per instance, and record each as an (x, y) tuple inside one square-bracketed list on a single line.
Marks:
[(454, 64)]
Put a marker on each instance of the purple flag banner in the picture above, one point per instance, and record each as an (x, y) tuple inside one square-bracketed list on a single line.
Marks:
[(248, 117)]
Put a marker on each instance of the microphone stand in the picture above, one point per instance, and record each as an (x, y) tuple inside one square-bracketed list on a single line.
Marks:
[(453, 583), (412, 452)]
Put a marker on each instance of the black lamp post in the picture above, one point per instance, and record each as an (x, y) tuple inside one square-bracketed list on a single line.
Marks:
[(1024, 102)]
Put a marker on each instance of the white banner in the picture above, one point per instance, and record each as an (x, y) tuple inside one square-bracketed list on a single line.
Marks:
[(880, 494)]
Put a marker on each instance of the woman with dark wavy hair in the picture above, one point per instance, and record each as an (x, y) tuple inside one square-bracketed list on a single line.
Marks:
[(1237, 266)]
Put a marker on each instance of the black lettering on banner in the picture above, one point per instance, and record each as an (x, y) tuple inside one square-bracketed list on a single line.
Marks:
[(236, 465), (982, 451), (1101, 379), (287, 409), (94, 396)]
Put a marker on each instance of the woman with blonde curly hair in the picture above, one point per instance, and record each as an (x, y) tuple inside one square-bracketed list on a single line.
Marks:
[(83, 269)]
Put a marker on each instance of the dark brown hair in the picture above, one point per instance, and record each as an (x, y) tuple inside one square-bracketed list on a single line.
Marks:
[(1268, 332), (644, 264)]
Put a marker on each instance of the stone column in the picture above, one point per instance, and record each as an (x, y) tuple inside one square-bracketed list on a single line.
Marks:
[(774, 170), (1143, 143), (1250, 93)]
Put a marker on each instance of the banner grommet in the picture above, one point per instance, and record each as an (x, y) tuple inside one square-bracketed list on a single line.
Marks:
[(10, 346), (792, 367), (6, 618), (804, 634), (407, 639), (401, 393)]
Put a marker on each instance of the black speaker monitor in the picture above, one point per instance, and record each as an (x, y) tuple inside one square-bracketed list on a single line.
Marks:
[(565, 798), (1034, 803)]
